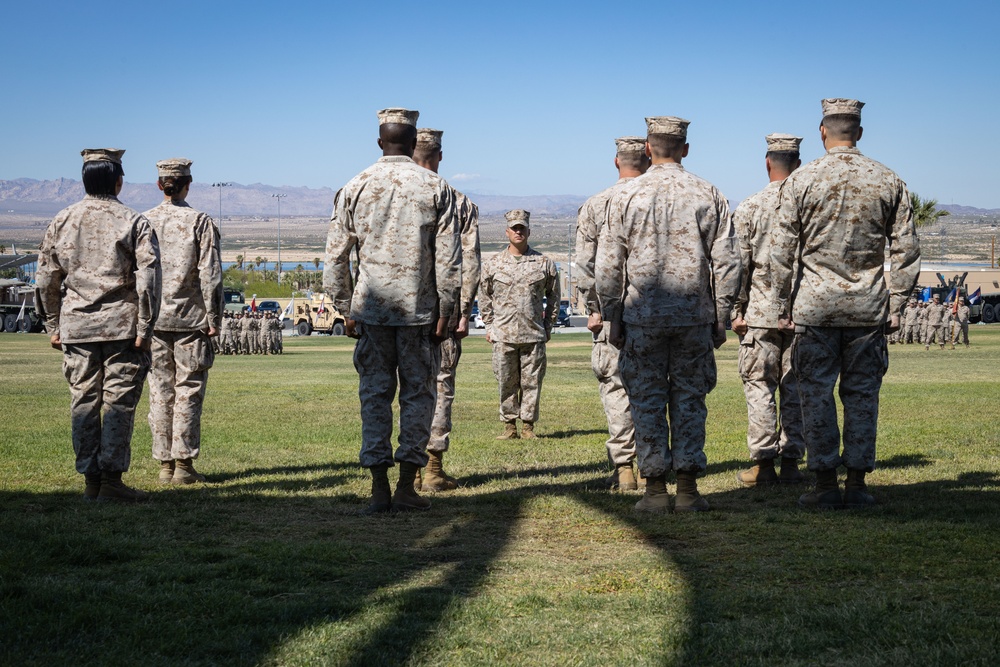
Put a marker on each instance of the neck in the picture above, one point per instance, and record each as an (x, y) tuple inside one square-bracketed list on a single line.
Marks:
[(842, 143), (666, 160), (427, 165), (628, 173), (778, 175), (517, 250), (394, 150)]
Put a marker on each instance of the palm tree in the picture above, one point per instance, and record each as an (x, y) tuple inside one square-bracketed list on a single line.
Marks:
[(239, 262), (316, 262), (925, 211)]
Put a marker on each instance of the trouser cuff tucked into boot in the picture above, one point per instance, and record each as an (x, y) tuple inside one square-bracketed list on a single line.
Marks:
[(406, 499)]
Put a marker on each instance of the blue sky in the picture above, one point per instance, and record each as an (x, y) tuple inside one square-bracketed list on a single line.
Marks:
[(530, 94)]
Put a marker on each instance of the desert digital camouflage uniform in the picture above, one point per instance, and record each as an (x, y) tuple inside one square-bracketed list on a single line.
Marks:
[(668, 270), (961, 325), (98, 283), (263, 335), (911, 316), (765, 357), (836, 216), (182, 349), (228, 344), (245, 333), (402, 220), (936, 324), (510, 302), (451, 348), (604, 357), (922, 317)]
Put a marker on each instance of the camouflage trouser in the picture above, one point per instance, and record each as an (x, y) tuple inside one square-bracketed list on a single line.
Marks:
[(243, 346), (384, 358), (937, 333), (765, 364), (621, 431), (960, 328), (451, 352), (923, 333), (519, 369), (912, 333), (858, 356), (104, 377), (668, 369), (263, 344), (177, 382)]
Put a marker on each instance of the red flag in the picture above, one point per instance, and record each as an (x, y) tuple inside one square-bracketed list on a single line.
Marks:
[(253, 304)]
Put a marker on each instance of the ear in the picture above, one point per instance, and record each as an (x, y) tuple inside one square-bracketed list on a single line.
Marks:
[(617, 165), (159, 185), (440, 156), (687, 147), (649, 152), (380, 143), (861, 131), (767, 165), (822, 133)]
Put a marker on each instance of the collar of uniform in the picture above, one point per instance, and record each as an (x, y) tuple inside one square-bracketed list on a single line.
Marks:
[(102, 197), (665, 165), (395, 158), (624, 180), (853, 150)]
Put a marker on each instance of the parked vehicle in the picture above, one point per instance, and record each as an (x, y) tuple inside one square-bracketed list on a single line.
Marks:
[(308, 318), (269, 307)]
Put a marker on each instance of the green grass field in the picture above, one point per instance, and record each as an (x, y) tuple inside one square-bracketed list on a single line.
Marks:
[(531, 562)]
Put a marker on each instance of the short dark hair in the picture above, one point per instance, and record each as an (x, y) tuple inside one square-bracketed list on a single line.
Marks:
[(785, 160), (842, 126), (172, 185), (665, 145), (424, 153), (635, 160), (101, 178), (399, 134)]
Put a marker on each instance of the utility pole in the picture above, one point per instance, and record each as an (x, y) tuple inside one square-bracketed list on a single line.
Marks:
[(220, 186), (278, 197)]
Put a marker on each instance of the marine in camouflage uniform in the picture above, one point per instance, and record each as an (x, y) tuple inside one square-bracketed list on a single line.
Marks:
[(401, 219), (765, 356), (911, 317), (961, 324), (631, 161), (667, 275), (245, 323), (98, 287), (936, 323), (428, 154), (922, 316), (514, 285), (836, 217), (190, 318)]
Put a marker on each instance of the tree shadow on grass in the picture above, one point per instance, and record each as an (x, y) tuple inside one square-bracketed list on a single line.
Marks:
[(572, 433)]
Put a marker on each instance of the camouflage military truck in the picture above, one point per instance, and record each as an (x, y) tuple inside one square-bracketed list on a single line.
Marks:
[(14, 292), (233, 300), (986, 309), (308, 318)]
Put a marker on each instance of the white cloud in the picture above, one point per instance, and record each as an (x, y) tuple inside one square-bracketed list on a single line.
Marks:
[(465, 177)]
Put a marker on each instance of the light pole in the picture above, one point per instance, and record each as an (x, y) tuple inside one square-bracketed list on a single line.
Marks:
[(278, 197), (220, 186)]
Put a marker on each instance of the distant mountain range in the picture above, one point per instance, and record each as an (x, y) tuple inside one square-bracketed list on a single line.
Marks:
[(29, 196), (33, 197)]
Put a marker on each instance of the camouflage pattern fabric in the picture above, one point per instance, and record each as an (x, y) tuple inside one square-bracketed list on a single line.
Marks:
[(519, 369), (384, 357), (668, 370), (192, 268), (961, 327), (512, 293), (604, 360), (590, 220), (177, 383), (451, 352), (468, 227), (105, 384), (753, 219), (765, 365), (98, 275), (937, 314), (836, 216), (402, 220), (858, 356), (245, 329), (671, 251), (911, 319)]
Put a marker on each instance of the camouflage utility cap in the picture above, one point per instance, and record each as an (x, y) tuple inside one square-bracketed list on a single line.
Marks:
[(398, 115), (517, 217), (783, 143), (176, 166), (103, 155), (671, 125), (429, 138), (628, 145), (841, 106)]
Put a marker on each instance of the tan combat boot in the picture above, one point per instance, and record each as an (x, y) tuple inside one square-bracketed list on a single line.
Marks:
[(509, 431), (762, 474), (856, 493), (381, 501), (688, 499), (528, 431), (655, 499), (93, 488), (114, 490), (622, 478), (826, 495), (166, 472), (435, 478), (405, 499), (184, 473), (790, 473)]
